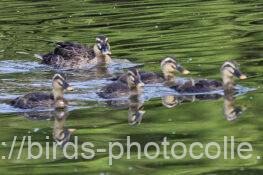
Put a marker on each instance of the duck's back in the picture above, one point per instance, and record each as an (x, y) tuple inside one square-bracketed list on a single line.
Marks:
[(150, 77), (34, 100), (146, 77), (199, 86), (68, 55), (52, 59), (114, 90), (69, 51)]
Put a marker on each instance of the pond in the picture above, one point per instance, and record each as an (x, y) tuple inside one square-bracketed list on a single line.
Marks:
[(201, 34)]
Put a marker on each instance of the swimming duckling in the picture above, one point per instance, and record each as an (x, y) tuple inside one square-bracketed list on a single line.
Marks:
[(121, 88), (69, 55), (44, 100), (228, 71), (169, 66)]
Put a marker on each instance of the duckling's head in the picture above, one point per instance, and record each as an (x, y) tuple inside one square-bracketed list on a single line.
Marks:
[(229, 70), (59, 83), (134, 79), (169, 66), (102, 46)]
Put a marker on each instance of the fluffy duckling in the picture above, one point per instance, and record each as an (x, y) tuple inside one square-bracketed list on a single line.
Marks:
[(69, 55), (169, 66), (228, 70), (45, 100), (120, 88)]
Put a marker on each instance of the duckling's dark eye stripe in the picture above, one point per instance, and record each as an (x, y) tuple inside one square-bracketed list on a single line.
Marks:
[(229, 66), (171, 62)]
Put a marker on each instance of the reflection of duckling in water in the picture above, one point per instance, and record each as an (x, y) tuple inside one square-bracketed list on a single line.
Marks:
[(135, 111), (231, 112), (60, 134), (169, 66), (74, 55), (171, 101), (131, 86), (228, 71), (44, 100)]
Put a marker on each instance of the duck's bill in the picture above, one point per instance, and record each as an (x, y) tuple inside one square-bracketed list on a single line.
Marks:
[(183, 70), (140, 84), (71, 130), (239, 75), (243, 77), (70, 88), (67, 87)]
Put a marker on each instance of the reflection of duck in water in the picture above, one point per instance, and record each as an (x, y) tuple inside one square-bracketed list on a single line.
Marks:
[(60, 134), (135, 111), (123, 88), (228, 71), (43, 100), (171, 101), (73, 55), (231, 112), (169, 66)]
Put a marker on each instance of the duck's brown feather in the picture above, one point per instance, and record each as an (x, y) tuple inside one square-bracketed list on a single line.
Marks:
[(114, 90), (34, 100)]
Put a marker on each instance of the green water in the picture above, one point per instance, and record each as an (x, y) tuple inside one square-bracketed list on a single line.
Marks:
[(202, 34)]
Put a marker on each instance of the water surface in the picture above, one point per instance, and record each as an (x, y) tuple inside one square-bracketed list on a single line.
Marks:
[(201, 34)]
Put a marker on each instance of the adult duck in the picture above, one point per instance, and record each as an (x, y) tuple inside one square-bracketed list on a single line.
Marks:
[(70, 55)]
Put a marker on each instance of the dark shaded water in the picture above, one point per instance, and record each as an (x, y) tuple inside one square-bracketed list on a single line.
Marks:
[(202, 34)]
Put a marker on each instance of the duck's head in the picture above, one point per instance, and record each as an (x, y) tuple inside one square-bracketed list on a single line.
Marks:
[(134, 79), (59, 83), (229, 70), (102, 46), (169, 66)]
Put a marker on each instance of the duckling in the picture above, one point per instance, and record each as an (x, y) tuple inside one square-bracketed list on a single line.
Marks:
[(45, 100), (69, 55), (228, 71), (169, 66), (121, 88)]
